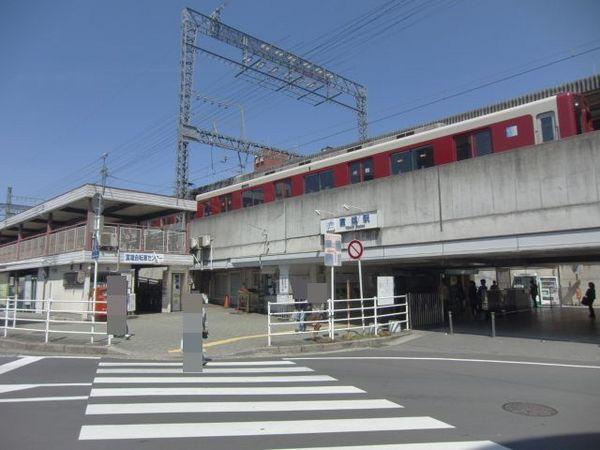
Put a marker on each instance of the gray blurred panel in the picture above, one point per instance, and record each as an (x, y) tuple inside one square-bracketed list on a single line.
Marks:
[(116, 317), (193, 306)]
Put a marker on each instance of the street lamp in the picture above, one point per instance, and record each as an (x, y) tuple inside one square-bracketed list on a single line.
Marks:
[(320, 212), (347, 207)]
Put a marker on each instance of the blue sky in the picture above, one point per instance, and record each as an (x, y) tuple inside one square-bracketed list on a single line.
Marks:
[(81, 77)]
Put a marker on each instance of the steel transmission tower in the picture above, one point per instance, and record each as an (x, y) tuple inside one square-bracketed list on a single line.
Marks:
[(261, 62)]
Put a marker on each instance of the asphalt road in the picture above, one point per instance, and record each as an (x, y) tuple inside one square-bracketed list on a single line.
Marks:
[(367, 399)]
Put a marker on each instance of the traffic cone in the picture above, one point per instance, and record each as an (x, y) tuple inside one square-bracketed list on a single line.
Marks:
[(226, 302)]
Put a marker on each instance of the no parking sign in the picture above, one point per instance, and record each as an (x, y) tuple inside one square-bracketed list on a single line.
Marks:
[(355, 249)]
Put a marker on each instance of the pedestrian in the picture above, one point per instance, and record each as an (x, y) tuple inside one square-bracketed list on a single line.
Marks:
[(473, 297), (589, 297), (481, 295), (494, 286), (533, 291)]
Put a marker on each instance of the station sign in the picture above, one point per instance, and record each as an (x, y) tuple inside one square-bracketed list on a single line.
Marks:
[(142, 258), (361, 221)]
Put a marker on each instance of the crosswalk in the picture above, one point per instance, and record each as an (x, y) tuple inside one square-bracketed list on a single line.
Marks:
[(156, 400)]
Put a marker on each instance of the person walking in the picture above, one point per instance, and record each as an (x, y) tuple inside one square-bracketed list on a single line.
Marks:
[(589, 297), (533, 291), (481, 294), (472, 293)]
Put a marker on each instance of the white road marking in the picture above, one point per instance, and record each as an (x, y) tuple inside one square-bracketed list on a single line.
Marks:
[(42, 399), (223, 370), (208, 379), (209, 364), (18, 363), (258, 391), (215, 407), (222, 429), (426, 358), (462, 445), (65, 357), (4, 388)]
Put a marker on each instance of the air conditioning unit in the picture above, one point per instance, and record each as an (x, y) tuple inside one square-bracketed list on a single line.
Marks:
[(109, 240), (205, 240), (194, 243)]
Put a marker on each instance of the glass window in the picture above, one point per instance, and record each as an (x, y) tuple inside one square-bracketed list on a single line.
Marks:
[(283, 189), (367, 170), (355, 172), (402, 162), (311, 183), (546, 126), (207, 207), (226, 202), (463, 147), (423, 157), (327, 181), (483, 142), (252, 197), (318, 181)]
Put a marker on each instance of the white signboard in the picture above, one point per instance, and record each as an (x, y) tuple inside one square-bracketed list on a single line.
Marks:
[(333, 250), (142, 258), (385, 290), (361, 221)]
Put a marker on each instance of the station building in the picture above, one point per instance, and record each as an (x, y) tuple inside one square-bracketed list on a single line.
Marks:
[(507, 193), (46, 251)]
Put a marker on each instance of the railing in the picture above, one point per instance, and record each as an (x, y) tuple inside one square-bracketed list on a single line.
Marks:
[(55, 317), (60, 241), (129, 239), (426, 310), (369, 315), (135, 239)]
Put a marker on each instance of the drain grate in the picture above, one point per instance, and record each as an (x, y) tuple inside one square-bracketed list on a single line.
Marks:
[(529, 409)]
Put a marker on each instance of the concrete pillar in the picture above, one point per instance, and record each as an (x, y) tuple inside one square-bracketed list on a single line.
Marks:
[(166, 297), (89, 225)]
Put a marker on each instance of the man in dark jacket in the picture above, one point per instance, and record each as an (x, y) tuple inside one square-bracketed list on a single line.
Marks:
[(533, 291)]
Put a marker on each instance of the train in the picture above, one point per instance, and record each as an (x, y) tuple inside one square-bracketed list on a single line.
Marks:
[(552, 118)]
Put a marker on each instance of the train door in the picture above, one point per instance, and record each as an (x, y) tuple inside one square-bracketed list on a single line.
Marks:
[(546, 129)]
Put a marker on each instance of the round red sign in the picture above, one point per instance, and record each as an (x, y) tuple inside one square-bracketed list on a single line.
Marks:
[(355, 249)]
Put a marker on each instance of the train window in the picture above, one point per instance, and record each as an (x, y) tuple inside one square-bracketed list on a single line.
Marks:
[(423, 157), (463, 147), (482, 141), (226, 202), (402, 162), (207, 208), (361, 171), (326, 180), (473, 144), (283, 189), (253, 197), (319, 181), (547, 125)]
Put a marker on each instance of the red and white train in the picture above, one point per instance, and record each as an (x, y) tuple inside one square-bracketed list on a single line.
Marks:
[(539, 121)]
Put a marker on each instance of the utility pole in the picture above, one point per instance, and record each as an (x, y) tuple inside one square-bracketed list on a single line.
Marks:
[(99, 198)]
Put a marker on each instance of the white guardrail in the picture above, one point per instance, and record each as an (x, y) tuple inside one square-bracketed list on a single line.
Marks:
[(366, 314), (54, 316)]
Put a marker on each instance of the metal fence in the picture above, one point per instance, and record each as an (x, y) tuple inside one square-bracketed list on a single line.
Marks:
[(134, 239), (426, 310), (55, 316), (370, 315)]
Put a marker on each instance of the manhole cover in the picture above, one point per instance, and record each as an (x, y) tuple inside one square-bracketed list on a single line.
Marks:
[(529, 409)]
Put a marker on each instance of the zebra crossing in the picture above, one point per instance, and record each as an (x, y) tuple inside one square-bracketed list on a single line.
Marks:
[(156, 400)]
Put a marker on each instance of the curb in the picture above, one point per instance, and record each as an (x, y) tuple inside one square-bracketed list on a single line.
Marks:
[(281, 350), (323, 347), (40, 347)]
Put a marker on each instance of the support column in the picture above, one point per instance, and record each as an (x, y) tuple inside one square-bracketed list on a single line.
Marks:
[(89, 228)]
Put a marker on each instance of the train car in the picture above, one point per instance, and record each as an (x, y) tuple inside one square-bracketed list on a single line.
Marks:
[(536, 122)]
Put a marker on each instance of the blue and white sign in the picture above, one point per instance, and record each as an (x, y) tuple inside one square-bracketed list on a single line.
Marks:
[(142, 258), (95, 249), (361, 221)]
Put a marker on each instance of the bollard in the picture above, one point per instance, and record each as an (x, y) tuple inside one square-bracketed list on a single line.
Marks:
[(450, 322), (493, 316)]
